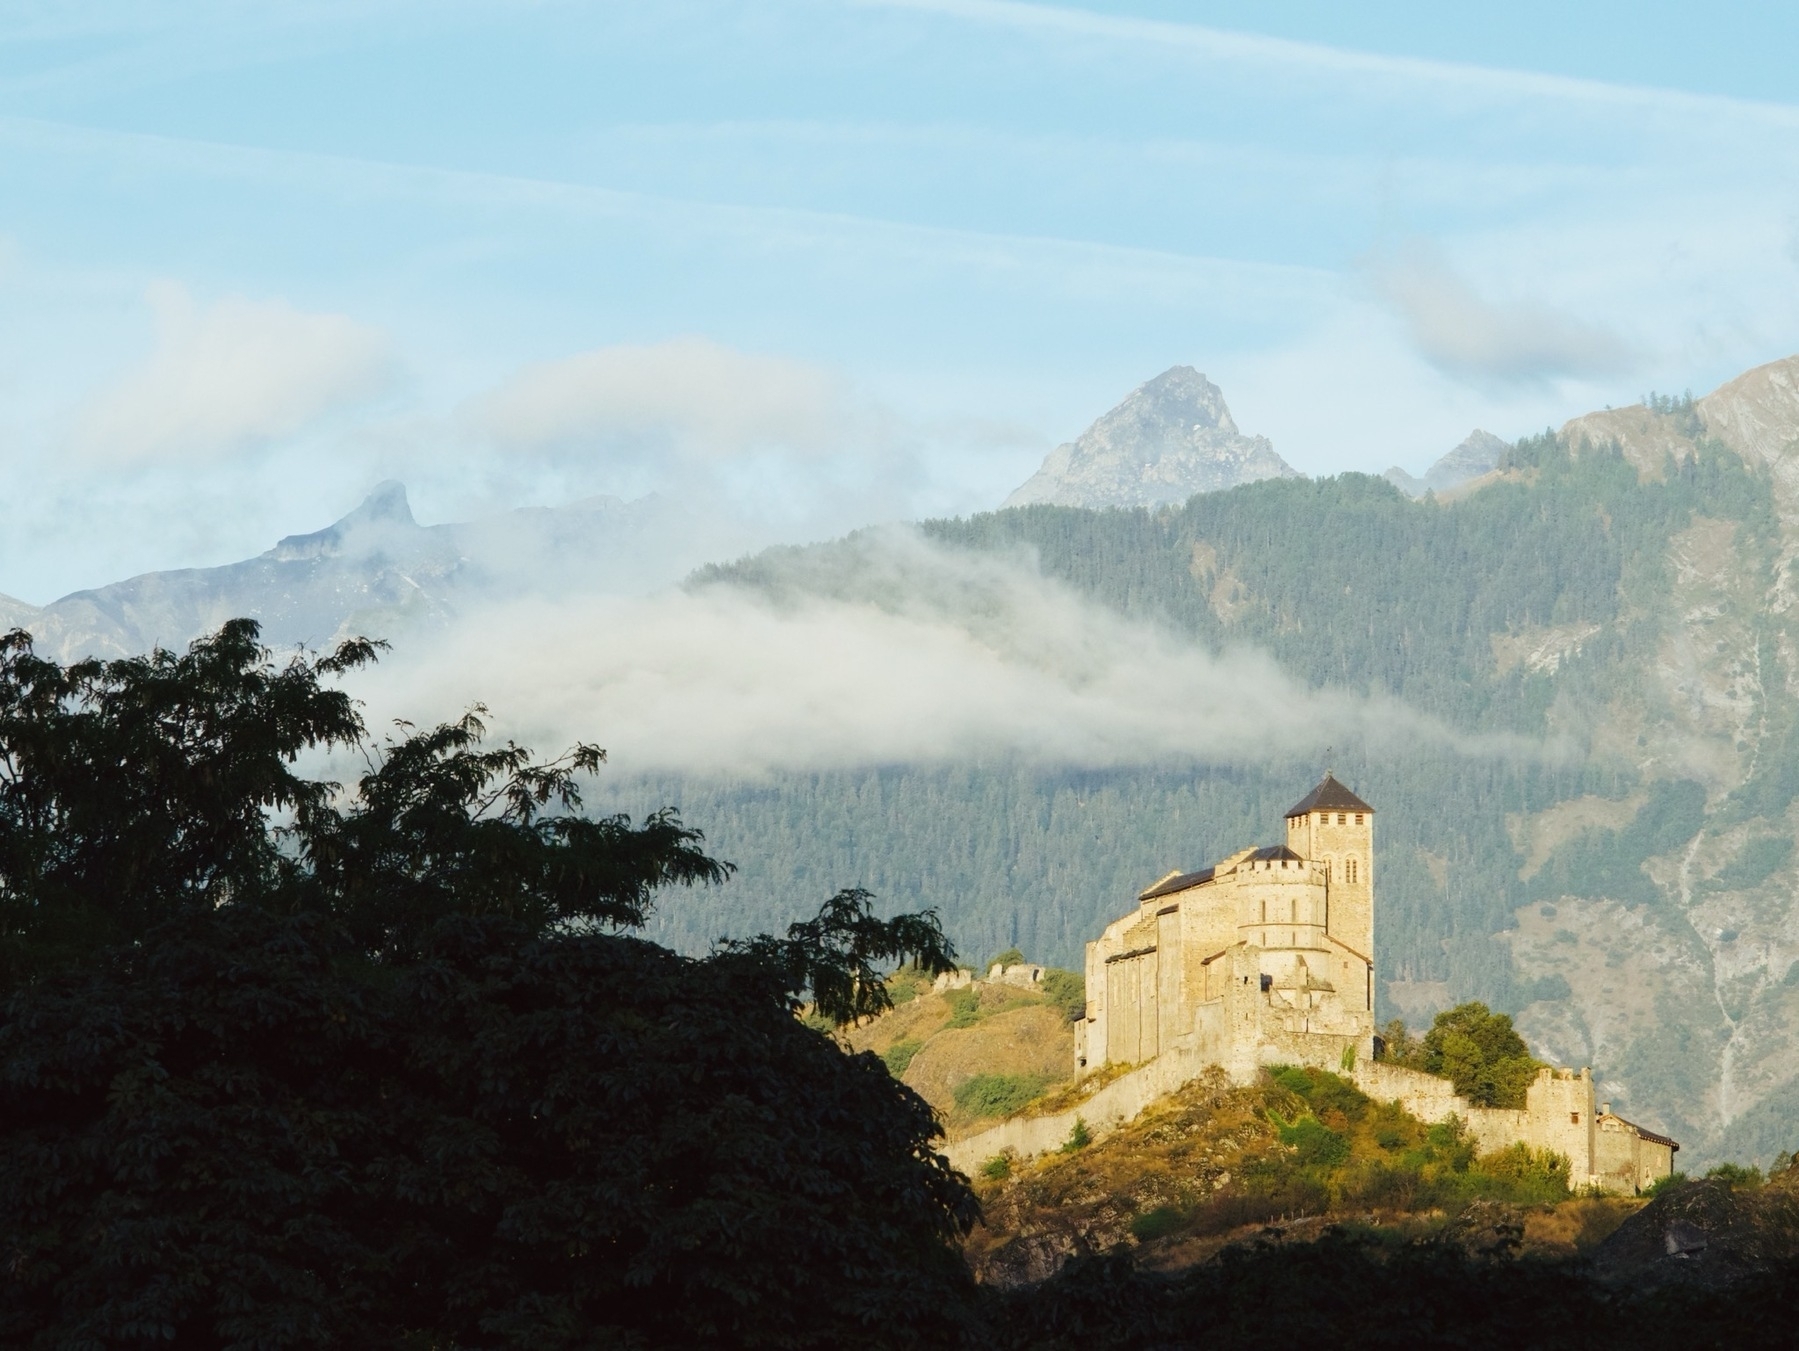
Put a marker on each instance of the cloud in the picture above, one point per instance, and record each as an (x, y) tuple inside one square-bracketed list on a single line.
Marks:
[(884, 650), (1466, 335), (230, 376), (691, 395)]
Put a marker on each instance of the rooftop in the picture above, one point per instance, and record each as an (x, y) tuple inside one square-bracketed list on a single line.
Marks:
[(1179, 882), (1331, 796)]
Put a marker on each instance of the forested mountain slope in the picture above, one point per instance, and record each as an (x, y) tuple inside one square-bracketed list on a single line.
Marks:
[(1603, 844)]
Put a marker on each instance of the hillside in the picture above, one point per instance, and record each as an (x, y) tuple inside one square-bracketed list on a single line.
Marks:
[(978, 1052), (1602, 846), (1213, 1165)]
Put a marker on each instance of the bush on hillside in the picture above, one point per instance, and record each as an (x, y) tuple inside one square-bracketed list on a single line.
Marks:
[(999, 1094), (1067, 991)]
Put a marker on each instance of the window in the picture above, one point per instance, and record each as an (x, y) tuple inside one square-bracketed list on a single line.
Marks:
[(1574, 1118), (1339, 818), (1264, 912), (1349, 871), (1358, 818)]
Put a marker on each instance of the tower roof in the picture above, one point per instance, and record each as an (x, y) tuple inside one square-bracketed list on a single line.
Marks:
[(1329, 795)]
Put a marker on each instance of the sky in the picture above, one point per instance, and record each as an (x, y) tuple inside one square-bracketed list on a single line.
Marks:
[(827, 264)]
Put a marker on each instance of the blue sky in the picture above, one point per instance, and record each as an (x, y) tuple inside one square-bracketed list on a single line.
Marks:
[(836, 262)]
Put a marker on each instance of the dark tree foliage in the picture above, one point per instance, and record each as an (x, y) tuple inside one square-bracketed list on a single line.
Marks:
[(387, 1075), (131, 790), (1355, 1294)]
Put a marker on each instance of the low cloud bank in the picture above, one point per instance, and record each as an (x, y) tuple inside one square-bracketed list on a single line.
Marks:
[(923, 655)]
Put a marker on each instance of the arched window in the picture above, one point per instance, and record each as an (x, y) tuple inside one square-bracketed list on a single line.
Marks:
[(1349, 871)]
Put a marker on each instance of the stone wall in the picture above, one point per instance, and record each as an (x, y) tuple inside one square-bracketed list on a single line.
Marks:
[(1105, 1111)]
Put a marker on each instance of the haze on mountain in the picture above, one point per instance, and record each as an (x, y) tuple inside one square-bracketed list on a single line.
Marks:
[(1479, 454), (377, 571), (1172, 437)]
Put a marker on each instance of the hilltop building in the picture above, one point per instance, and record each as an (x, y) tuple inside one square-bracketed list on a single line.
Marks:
[(1267, 957)]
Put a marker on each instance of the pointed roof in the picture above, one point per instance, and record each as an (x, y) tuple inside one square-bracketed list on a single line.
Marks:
[(1329, 795)]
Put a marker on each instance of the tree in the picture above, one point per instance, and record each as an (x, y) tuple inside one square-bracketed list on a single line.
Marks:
[(387, 1072), (1482, 1054)]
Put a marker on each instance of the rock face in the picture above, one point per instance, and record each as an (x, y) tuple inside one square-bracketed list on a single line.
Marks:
[(1173, 437), (1478, 454)]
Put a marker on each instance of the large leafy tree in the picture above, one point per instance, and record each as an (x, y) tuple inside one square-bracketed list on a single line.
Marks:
[(287, 1065), (1482, 1054)]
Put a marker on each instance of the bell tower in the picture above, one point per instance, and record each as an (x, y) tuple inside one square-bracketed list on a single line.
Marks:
[(1332, 826)]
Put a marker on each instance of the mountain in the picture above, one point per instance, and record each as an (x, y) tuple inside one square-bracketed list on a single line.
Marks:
[(1606, 845), (375, 571), (1479, 454), (1171, 438), (1602, 839)]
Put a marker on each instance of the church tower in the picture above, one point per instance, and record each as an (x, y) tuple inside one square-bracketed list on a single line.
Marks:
[(1332, 826)]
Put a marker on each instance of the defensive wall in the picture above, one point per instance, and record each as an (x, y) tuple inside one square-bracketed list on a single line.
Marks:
[(1603, 1150)]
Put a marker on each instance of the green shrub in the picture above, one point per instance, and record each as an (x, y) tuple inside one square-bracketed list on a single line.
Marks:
[(1153, 1224), (997, 1169), (1078, 1138), (964, 1007), (1735, 1176), (1010, 957), (907, 984), (1000, 1094), (899, 1055), (1521, 1174), (1067, 991), (1662, 1184), (1315, 1144)]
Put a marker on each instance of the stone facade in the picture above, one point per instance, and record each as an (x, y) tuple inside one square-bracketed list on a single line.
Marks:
[(1263, 958), (1268, 958)]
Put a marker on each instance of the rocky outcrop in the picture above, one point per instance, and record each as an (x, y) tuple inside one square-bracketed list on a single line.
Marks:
[(1173, 437), (1708, 1234)]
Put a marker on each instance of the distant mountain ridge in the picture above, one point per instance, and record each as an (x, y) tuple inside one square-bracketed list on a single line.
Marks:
[(376, 571), (1477, 455), (1172, 437)]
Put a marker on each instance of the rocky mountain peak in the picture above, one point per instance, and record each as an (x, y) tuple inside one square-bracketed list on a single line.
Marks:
[(1478, 454), (1170, 438), (381, 517)]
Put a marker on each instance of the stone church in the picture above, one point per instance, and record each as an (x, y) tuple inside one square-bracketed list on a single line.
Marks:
[(1267, 957)]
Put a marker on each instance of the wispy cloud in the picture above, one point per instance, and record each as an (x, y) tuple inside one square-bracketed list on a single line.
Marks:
[(691, 395), (922, 655), (1486, 341), (231, 375)]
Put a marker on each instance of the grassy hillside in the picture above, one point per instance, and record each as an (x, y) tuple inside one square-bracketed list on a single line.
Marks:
[(1213, 1162), (980, 1053), (1630, 897)]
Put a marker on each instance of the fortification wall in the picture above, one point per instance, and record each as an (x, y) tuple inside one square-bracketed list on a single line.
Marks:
[(1426, 1096), (1118, 1102)]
